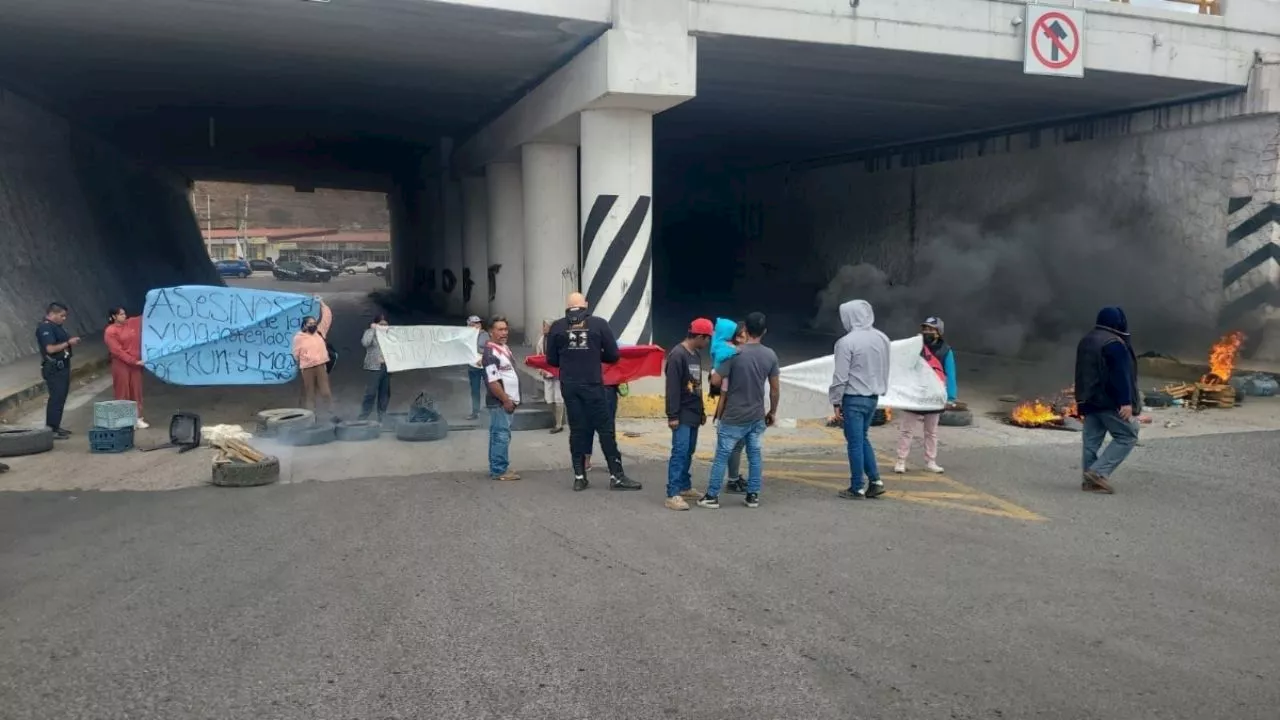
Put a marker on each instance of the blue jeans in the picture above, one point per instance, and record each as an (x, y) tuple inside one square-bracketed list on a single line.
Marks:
[(858, 410), (378, 391), (684, 441), (499, 440), (726, 437), (1124, 435), (475, 376)]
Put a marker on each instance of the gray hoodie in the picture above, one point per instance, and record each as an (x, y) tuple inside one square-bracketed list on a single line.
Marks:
[(861, 356)]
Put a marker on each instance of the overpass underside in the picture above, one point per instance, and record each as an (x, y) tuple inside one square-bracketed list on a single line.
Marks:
[(672, 159)]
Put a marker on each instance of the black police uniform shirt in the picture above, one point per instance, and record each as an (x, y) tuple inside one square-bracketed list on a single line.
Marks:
[(578, 352), (51, 333)]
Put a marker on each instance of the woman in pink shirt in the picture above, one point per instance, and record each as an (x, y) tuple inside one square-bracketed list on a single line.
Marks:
[(311, 355)]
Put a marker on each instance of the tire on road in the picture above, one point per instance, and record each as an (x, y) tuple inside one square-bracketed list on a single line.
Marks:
[(956, 418), (422, 431), (308, 436), (234, 474), (879, 417), (272, 422), (1157, 399), (358, 431), (533, 417), (16, 442)]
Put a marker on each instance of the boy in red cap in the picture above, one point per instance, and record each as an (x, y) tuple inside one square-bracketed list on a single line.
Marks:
[(685, 411)]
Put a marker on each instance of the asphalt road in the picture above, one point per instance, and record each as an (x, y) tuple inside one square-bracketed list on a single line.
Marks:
[(449, 596)]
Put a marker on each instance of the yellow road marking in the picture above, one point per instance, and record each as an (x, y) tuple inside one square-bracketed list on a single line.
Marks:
[(959, 497)]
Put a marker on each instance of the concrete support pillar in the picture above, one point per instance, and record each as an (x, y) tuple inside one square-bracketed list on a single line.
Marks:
[(409, 241), (476, 292), (617, 199), (550, 175), (451, 268), (506, 242), (1251, 277)]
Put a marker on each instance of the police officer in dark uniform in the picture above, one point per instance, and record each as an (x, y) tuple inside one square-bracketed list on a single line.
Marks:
[(577, 344), (55, 365)]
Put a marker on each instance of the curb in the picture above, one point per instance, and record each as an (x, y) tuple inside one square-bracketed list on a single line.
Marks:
[(16, 402)]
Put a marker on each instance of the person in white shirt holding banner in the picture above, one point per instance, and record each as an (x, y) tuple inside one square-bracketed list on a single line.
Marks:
[(502, 398)]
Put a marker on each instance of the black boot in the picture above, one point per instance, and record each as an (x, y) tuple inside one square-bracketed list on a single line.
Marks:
[(618, 479), (579, 473)]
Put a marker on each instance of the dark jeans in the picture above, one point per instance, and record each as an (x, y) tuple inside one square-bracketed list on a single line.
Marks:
[(610, 394), (378, 390), (589, 414), (475, 376), (58, 383), (858, 411), (684, 441)]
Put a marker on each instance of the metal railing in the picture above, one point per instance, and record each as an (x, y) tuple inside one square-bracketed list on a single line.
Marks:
[(1207, 7)]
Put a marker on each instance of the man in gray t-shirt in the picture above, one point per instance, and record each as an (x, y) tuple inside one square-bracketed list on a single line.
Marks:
[(475, 373), (741, 411)]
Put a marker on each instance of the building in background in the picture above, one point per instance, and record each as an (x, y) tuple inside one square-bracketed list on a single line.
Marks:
[(293, 243)]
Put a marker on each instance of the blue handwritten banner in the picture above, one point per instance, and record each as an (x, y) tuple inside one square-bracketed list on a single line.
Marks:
[(205, 335)]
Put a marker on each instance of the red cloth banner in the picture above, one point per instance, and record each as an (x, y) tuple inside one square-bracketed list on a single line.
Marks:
[(634, 362)]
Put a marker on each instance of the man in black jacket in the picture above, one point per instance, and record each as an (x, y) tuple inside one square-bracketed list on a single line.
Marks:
[(577, 344), (1107, 396)]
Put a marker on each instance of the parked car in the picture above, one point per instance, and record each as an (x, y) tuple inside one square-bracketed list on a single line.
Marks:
[(300, 271), (233, 268), (264, 265)]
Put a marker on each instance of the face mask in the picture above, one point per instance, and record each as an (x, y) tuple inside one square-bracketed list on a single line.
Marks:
[(310, 328)]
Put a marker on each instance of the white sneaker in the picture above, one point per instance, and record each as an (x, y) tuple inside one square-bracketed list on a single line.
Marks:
[(900, 466), (141, 424), (934, 467)]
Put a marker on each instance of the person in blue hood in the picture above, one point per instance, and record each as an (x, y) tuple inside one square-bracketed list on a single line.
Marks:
[(729, 334), (1108, 398)]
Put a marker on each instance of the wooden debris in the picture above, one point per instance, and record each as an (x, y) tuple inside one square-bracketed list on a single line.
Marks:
[(1203, 395), (238, 451)]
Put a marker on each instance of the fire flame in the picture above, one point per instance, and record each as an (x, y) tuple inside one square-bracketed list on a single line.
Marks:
[(1223, 356), (1033, 413)]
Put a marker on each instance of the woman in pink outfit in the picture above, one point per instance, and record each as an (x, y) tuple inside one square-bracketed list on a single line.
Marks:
[(123, 337), (938, 354)]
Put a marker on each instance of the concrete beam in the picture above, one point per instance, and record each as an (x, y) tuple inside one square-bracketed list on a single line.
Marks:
[(596, 11), (1118, 38), (624, 68)]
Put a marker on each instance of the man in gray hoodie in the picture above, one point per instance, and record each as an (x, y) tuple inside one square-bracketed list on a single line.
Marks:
[(861, 376)]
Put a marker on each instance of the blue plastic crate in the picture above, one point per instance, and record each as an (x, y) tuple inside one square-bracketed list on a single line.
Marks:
[(110, 440), (111, 414)]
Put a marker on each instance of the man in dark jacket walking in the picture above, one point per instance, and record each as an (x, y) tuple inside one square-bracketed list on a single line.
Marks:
[(1108, 397)]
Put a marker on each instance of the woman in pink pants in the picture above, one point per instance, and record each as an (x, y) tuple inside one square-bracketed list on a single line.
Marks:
[(939, 356)]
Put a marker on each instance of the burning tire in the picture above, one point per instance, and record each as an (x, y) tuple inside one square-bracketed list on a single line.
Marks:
[(1157, 399), (234, 474), (880, 417), (422, 431), (25, 441), (359, 431), (307, 436), (956, 417)]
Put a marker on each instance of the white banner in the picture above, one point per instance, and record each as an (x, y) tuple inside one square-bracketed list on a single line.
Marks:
[(413, 347), (913, 385)]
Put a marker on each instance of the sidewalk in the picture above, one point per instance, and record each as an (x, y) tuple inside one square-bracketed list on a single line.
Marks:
[(21, 385)]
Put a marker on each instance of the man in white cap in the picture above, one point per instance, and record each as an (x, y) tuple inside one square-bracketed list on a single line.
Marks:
[(475, 373)]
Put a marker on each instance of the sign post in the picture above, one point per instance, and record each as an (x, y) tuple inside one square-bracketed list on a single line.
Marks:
[(1055, 42)]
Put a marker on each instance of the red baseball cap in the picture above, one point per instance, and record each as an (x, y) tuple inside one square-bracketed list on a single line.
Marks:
[(702, 326)]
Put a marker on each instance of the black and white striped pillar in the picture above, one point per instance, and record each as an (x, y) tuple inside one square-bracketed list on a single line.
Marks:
[(617, 211), (1251, 280)]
